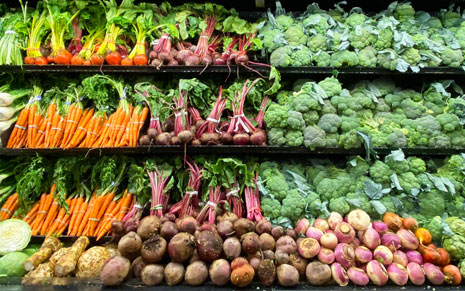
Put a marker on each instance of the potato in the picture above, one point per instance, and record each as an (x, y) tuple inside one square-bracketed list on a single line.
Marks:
[(152, 275), (115, 270), (286, 244), (196, 273), (232, 248), (268, 242), (148, 227), (174, 273), (129, 245), (220, 270), (288, 276), (266, 272), (318, 273)]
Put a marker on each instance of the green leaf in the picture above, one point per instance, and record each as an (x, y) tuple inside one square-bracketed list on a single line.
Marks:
[(395, 182), (378, 206), (374, 190), (368, 146)]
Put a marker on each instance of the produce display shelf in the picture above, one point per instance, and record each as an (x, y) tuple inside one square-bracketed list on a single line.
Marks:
[(435, 71), (222, 150)]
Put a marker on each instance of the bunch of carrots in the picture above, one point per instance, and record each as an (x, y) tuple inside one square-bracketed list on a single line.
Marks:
[(79, 216), (9, 207), (66, 124)]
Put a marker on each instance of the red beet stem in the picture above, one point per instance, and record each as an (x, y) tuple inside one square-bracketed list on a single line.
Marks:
[(190, 202), (211, 124)]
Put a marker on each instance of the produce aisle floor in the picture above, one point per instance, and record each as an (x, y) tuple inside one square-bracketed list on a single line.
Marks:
[(13, 284)]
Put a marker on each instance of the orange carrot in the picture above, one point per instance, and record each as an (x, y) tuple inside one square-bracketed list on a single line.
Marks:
[(94, 219), (81, 130), (77, 207), (7, 207), (59, 219), (32, 213), (52, 213), (59, 133), (53, 130), (76, 119), (40, 133), (79, 215), (106, 216), (85, 221), (20, 127), (50, 115), (110, 218)]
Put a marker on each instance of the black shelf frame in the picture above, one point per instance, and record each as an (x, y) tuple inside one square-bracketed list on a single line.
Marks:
[(251, 150)]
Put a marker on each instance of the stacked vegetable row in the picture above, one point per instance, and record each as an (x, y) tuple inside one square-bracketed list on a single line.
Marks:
[(89, 115), (398, 38), (374, 113), (95, 32)]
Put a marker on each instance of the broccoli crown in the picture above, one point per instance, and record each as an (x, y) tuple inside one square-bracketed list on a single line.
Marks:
[(457, 138), (301, 56), (304, 102), (295, 120), (384, 39), (285, 21), (276, 116), (440, 141), (455, 246), (316, 22), (330, 122), (311, 117), (448, 121), (271, 207), (272, 39), (314, 137), (355, 19), (276, 136), (322, 59), (294, 138), (281, 57), (283, 97), (384, 85), (344, 58), (436, 227), (317, 43), (412, 109), (332, 140), (387, 59), (416, 165), (367, 57), (451, 57), (349, 123), (350, 140), (398, 166), (277, 185), (431, 203), (329, 188), (358, 201), (295, 35), (404, 12), (411, 56), (408, 182), (339, 205), (293, 205), (331, 86), (380, 172), (451, 19), (428, 126)]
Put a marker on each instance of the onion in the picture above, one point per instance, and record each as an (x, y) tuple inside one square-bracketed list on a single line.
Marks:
[(314, 232), (408, 239), (302, 225), (377, 273), (358, 276), (380, 227), (383, 255), (345, 255), (329, 241), (359, 219), (414, 256), (326, 256), (321, 224), (398, 274), (334, 219), (371, 238), (363, 255), (434, 274), (308, 248), (345, 233), (399, 257), (416, 273), (391, 240), (339, 274)]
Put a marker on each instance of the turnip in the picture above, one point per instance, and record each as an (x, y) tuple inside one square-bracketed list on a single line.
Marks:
[(380, 227), (416, 273), (363, 255), (383, 255), (339, 274), (359, 219), (371, 238), (399, 257), (181, 247), (358, 276), (414, 256), (329, 241), (408, 239), (321, 224), (334, 220), (391, 240), (326, 256), (398, 274), (302, 225), (434, 274), (317, 274), (345, 255), (313, 232), (309, 248), (344, 232), (377, 273)]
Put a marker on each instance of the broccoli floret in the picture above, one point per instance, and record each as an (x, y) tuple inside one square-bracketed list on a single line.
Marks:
[(355, 19), (451, 19), (349, 123), (431, 204), (412, 109), (281, 57), (448, 121), (330, 122), (276, 184), (457, 138), (285, 21), (367, 57), (411, 56), (317, 43), (294, 138), (295, 35), (304, 102), (271, 39), (314, 137), (404, 12), (384, 40), (384, 85), (301, 56), (397, 166), (350, 140), (328, 107), (311, 117), (428, 126), (451, 57), (339, 205), (283, 97), (380, 173), (440, 141), (332, 140), (344, 58), (295, 120), (293, 205), (416, 165), (387, 59), (276, 116), (322, 59), (276, 136), (271, 207), (394, 100), (331, 86), (397, 139), (316, 22), (408, 181)]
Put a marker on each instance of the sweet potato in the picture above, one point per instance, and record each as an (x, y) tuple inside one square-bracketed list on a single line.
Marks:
[(209, 246), (174, 273), (196, 273), (129, 245), (232, 248), (181, 247), (287, 275), (153, 249), (266, 272), (115, 270), (148, 227), (152, 275), (220, 271)]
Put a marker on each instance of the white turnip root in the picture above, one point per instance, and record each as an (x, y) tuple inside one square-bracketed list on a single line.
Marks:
[(359, 219), (308, 248), (152, 275)]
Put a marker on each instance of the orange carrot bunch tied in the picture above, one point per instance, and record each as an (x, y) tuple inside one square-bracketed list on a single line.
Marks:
[(36, 32), (9, 207)]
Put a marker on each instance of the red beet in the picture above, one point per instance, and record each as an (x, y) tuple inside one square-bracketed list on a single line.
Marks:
[(241, 139), (258, 137)]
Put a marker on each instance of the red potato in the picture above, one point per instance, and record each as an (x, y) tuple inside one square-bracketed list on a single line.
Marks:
[(196, 273), (115, 270), (152, 275), (219, 272), (174, 273)]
